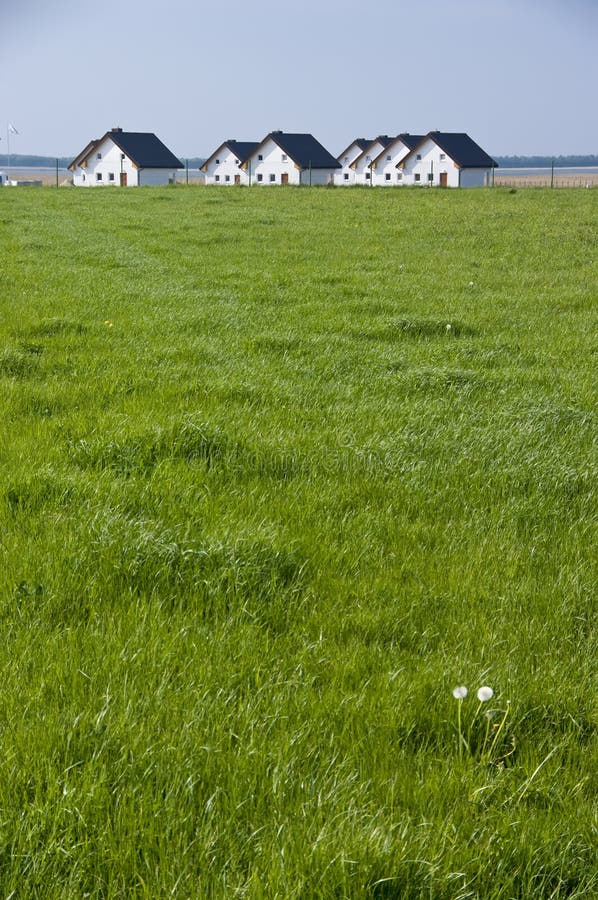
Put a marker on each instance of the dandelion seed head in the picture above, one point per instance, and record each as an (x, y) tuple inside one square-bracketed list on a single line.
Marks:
[(460, 692), (485, 693)]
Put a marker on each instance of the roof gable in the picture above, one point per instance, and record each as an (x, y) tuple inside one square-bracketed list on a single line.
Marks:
[(144, 149), (463, 151), (240, 149), (408, 140), (359, 144), (383, 140), (85, 153), (303, 149)]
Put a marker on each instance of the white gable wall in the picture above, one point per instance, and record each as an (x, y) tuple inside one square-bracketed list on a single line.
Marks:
[(434, 162), (273, 165), (430, 162), (346, 175), (224, 168), (108, 165), (386, 173), (362, 168)]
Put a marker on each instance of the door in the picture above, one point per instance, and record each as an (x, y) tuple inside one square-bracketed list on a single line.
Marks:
[(284, 178), (443, 179), (123, 179), (237, 179)]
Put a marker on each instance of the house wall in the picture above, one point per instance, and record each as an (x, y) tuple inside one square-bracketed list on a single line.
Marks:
[(386, 167), (362, 168), (155, 177), (270, 169), (109, 164), (346, 175), (227, 167), (476, 177), (431, 162)]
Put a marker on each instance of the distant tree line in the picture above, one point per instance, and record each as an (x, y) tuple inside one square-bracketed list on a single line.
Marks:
[(541, 162)]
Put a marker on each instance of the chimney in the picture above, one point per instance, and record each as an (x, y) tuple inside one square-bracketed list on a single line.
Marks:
[(116, 129)]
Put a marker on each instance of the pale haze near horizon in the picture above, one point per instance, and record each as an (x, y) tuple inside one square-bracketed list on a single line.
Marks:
[(519, 76)]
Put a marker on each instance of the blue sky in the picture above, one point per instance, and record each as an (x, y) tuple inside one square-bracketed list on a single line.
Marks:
[(520, 76)]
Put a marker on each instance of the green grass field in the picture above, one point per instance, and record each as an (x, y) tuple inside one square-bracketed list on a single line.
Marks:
[(262, 509)]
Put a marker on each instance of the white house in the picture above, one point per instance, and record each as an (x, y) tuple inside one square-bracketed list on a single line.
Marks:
[(125, 158), (223, 166), (283, 158), (346, 175), (383, 167), (362, 164), (447, 159)]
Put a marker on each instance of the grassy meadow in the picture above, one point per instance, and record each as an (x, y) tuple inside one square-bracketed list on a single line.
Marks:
[(279, 469)]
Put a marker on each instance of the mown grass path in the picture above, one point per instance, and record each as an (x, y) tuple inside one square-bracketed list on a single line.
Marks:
[(279, 469)]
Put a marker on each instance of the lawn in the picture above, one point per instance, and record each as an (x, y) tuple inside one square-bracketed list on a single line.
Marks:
[(279, 470)]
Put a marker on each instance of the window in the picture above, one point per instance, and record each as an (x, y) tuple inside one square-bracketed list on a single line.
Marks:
[(111, 176), (217, 162), (98, 176), (227, 177), (284, 157), (272, 178), (260, 157), (346, 159), (417, 177), (98, 155), (399, 176), (419, 156), (216, 177), (443, 156), (345, 176), (387, 176), (122, 156), (430, 176), (368, 175), (388, 158), (260, 177)]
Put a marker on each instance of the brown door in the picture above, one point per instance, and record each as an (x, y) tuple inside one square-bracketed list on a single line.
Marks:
[(284, 178), (237, 179), (443, 179), (123, 179)]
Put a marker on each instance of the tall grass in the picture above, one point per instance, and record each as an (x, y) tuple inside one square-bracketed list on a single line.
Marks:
[(262, 509)]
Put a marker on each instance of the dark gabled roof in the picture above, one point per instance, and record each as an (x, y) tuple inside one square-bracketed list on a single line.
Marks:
[(383, 139), (362, 143), (409, 140), (241, 149), (143, 148), (459, 147), (303, 149)]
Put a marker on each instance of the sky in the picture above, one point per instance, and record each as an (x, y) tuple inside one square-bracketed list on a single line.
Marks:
[(519, 76)]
